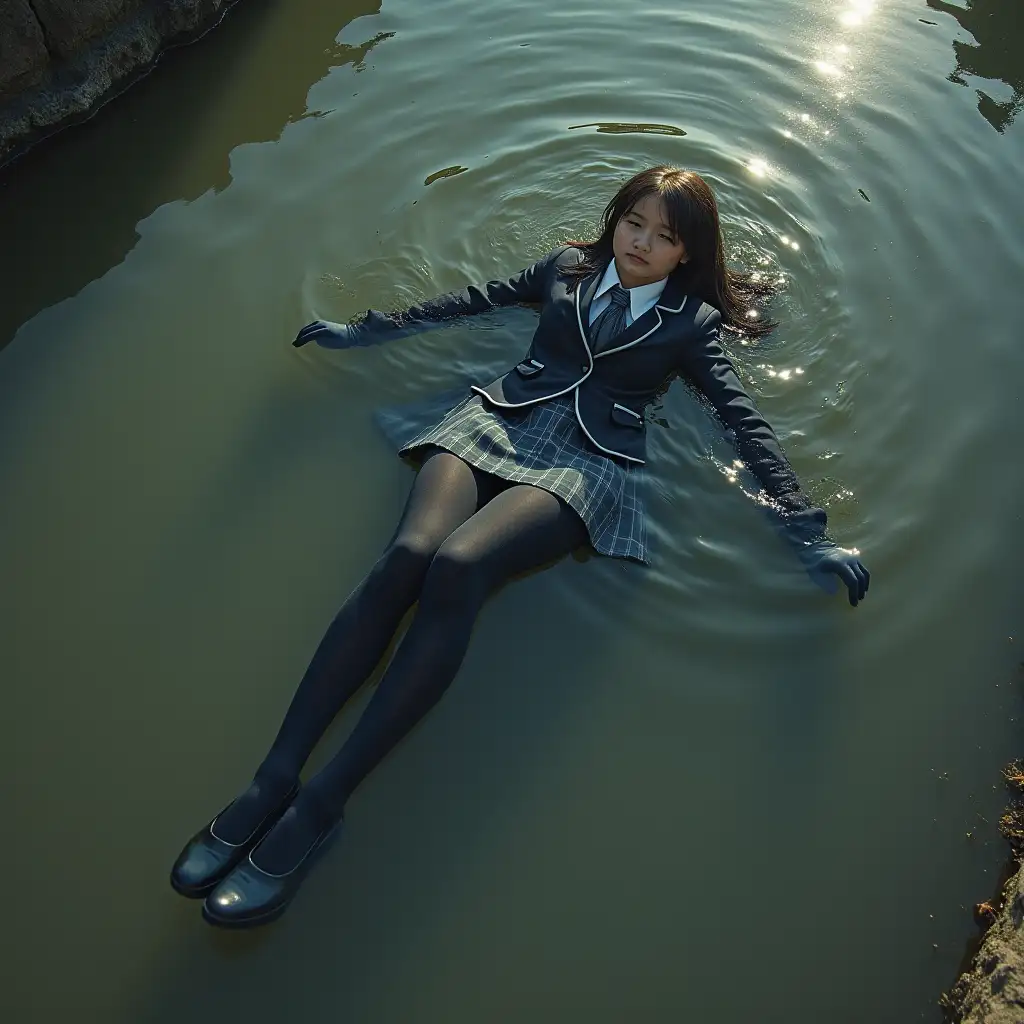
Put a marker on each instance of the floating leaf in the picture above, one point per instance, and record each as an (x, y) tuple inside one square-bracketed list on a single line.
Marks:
[(628, 128), (446, 172)]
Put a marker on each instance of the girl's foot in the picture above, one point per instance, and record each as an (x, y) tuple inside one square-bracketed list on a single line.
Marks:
[(291, 837), (243, 815), (213, 851), (260, 889)]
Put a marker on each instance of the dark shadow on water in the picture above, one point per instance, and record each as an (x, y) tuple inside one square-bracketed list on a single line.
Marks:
[(996, 54), (69, 208)]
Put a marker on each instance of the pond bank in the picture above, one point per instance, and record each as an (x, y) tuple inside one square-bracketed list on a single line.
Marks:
[(60, 60), (991, 990)]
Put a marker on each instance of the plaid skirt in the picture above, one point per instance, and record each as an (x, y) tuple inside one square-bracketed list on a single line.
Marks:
[(543, 445)]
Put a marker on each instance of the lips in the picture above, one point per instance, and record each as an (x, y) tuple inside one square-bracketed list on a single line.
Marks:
[(633, 256)]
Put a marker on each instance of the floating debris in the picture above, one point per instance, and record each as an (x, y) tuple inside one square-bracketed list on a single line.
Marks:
[(446, 172), (1014, 775), (628, 128), (863, 195)]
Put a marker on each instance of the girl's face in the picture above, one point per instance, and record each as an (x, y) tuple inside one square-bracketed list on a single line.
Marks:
[(645, 248)]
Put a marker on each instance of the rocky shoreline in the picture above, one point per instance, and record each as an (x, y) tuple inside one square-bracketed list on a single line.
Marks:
[(991, 990), (60, 60)]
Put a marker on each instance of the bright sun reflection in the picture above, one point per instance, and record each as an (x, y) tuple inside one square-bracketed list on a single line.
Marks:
[(857, 13), (758, 167), (827, 69), (780, 374)]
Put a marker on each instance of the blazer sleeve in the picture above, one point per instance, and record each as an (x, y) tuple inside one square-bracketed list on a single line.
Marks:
[(528, 286), (713, 373)]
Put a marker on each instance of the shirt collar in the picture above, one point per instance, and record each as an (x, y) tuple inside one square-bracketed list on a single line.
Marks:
[(641, 298)]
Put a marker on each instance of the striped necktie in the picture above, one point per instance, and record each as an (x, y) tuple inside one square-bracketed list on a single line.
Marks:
[(612, 321)]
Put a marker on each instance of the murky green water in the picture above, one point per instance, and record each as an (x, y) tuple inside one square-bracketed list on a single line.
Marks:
[(695, 793)]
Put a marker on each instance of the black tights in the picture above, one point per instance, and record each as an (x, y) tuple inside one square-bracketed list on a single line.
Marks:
[(463, 533)]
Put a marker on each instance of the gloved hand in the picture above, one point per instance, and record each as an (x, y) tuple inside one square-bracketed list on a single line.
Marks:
[(825, 559), (327, 334)]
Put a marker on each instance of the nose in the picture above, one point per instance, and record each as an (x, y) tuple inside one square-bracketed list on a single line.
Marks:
[(642, 241)]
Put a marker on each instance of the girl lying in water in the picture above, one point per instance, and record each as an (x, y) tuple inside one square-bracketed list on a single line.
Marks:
[(521, 472)]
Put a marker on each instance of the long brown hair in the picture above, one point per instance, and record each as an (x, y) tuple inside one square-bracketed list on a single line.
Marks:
[(693, 217)]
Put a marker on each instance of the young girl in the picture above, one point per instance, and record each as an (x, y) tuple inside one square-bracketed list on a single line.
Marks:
[(524, 470)]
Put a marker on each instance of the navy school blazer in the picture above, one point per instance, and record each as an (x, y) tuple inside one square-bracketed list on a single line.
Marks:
[(612, 389)]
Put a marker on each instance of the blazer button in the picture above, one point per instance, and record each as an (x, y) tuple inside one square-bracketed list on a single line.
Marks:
[(584, 367)]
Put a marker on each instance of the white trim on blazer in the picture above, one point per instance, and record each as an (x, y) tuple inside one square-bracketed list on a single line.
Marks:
[(632, 412), (609, 451), (576, 387), (657, 308), (557, 394), (576, 396)]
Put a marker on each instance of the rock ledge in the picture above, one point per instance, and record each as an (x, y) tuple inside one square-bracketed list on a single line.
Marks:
[(60, 60)]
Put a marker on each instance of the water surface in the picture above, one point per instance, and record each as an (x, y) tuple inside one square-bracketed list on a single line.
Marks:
[(703, 791)]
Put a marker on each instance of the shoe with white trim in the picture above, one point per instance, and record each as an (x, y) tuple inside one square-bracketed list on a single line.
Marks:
[(207, 859), (250, 896)]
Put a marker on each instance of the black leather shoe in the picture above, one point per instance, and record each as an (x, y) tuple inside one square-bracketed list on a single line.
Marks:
[(250, 896), (207, 859)]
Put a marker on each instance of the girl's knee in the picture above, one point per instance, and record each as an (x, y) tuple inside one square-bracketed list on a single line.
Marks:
[(455, 576), (408, 555)]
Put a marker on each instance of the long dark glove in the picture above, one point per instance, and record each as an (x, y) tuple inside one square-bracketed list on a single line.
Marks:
[(529, 286), (328, 334), (825, 559)]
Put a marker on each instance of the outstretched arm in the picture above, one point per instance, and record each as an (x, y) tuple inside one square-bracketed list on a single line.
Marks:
[(759, 448), (529, 286)]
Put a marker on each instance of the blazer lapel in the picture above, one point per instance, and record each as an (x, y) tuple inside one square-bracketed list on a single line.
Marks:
[(588, 289), (672, 301), (673, 298), (583, 298)]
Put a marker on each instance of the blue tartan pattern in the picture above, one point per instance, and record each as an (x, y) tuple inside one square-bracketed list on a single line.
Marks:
[(543, 445)]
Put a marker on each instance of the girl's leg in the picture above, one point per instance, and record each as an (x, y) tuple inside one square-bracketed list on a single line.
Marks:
[(445, 494), (520, 529)]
